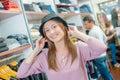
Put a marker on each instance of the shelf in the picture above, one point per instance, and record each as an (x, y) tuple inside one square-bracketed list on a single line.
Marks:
[(35, 16), (4, 14), (81, 1), (68, 14), (85, 13), (69, 5), (14, 50)]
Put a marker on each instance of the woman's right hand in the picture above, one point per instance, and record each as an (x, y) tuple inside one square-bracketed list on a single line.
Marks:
[(40, 44)]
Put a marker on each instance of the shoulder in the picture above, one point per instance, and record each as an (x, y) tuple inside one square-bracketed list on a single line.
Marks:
[(96, 30), (93, 30)]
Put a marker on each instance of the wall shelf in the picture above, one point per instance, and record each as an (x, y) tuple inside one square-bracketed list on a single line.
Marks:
[(4, 14), (68, 14), (14, 50), (70, 5), (85, 13), (81, 1), (35, 16)]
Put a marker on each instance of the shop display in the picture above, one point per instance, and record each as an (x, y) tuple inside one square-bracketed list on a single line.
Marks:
[(38, 7), (29, 7), (85, 8), (3, 45), (9, 4), (21, 38), (12, 43), (34, 31), (34, 12), (65, 1)]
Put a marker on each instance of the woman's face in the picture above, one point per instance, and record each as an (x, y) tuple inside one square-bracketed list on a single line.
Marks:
[(53, 31)]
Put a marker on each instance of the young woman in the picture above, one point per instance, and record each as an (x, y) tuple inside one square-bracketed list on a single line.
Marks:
[(111, 42), (63, 59)]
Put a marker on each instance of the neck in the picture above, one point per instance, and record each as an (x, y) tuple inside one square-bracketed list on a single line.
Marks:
[(61, 47)]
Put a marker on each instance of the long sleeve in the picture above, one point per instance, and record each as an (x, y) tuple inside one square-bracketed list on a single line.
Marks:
[(26, 69), (91, 49)]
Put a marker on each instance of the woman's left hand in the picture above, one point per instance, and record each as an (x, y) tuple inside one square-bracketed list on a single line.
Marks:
[(73, 31)]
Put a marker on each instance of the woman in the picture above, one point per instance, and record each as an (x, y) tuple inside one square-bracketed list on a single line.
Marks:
[(62, 60), (111, 42)]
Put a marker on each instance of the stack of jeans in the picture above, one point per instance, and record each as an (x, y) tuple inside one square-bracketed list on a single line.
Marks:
[(29, 7), (38, 7), (21, 38), (65, 1), (63, 9), (85, 8), (45, 7), (3, 45)]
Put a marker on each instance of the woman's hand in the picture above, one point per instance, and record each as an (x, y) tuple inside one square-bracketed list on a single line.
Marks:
[(73, 31), (80, 35), (40, 44)]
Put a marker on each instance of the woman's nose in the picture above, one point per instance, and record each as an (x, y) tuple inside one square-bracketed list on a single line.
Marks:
[(52, 31)]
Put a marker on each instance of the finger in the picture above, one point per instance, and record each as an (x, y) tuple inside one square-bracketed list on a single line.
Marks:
[(71, 28), (46, 40), (40, 40)]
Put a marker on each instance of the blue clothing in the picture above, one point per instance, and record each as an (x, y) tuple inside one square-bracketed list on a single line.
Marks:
[(100, 62), (111, 44), (113, 51), (96, 32)]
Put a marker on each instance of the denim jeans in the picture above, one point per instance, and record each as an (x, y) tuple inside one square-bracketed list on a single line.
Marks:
[(101, 65), (113, 52)]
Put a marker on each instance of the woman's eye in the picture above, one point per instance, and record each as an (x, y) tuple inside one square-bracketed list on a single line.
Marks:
[(46, 30), (54, 26)]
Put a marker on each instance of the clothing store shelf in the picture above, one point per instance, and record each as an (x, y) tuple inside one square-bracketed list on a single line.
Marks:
[(68, 14), (35, 16), (85, 13), (4, 14), (69, 5), (81, 1), (15, 50)]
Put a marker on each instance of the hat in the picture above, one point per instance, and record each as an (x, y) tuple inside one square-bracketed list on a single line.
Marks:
[(47, 18)]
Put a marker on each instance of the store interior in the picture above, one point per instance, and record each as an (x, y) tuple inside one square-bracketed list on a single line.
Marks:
[(20, 21)]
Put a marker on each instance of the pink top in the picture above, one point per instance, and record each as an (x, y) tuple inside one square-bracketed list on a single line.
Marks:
[(77, 71)]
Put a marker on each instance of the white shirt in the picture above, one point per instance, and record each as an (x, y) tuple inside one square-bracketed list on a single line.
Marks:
[(96, 32)]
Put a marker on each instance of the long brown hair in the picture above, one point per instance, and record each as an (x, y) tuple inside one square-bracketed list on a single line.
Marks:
[(51, 57)]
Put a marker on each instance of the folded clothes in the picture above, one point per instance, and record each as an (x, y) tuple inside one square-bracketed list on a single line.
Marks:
[(3, 45), (2, 39), (65, 1), (4, 49), (29, 7), (12, 43), (21, 38)]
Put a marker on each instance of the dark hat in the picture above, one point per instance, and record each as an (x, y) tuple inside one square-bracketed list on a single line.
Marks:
[(47, 18)]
